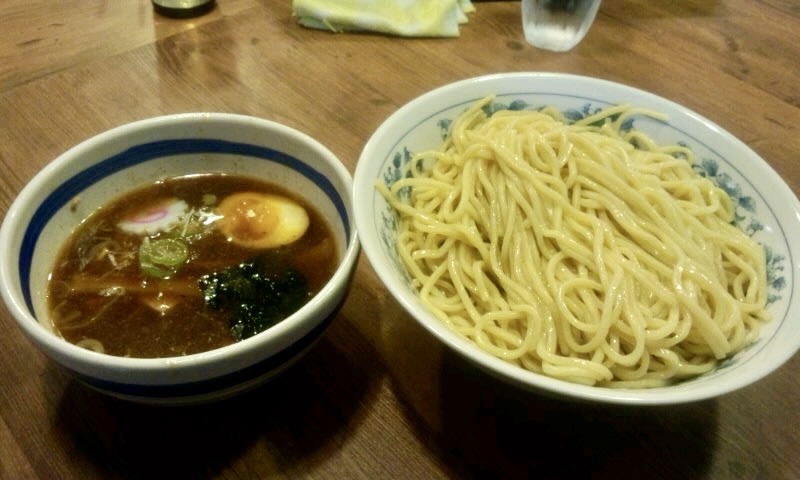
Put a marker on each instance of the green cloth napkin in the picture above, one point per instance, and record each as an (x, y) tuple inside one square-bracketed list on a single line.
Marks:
[(407, 18)]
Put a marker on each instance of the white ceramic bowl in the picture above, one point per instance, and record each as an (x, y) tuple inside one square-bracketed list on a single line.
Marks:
[(105, 166), (761, 195)]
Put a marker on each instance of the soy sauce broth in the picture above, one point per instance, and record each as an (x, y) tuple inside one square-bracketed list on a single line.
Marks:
[(101, 297)]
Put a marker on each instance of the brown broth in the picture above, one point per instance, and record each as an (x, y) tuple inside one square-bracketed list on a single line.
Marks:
[(107, 300)]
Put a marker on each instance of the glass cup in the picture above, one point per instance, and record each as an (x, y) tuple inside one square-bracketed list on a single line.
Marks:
[(557, 25)]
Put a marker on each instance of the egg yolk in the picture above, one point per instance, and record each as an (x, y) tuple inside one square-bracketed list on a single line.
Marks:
[(259, 220)]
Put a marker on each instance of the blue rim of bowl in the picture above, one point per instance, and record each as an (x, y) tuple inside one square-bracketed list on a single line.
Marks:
[(141, 154)]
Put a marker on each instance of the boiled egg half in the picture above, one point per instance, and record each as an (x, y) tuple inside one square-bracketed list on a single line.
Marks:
[(261, 220)]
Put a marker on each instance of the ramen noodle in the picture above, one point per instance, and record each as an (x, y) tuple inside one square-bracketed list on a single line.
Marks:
[(583, 251)]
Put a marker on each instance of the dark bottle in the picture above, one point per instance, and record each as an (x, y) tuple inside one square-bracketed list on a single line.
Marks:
[(182, 8)]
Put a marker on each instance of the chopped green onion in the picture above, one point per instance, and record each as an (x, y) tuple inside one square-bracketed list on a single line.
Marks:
[(162, 257)]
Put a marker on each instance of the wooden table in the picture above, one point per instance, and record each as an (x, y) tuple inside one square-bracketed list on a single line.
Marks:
[(377, 398)]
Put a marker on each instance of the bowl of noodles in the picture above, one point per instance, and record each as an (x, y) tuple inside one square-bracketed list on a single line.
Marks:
[(181, 259), (583, 238)]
